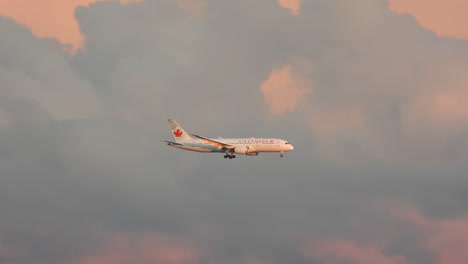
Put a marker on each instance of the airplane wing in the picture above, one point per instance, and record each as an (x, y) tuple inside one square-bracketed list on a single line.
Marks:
[(218, 144), (172, 143)]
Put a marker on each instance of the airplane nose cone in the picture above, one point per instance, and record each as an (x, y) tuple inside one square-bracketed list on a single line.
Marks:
[(291, 147)]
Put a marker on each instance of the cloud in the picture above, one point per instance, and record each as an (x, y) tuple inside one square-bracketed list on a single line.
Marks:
[(293, 5), (417, 237), (144, 249), (35, 70), (286, 88), (342, 251), (195, 7), (446, 238), (386, 110), (446, 19), (372, 102), (8, 252), (41, 17)]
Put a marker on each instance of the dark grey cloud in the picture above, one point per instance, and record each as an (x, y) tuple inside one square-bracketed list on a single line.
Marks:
[(81, 158)]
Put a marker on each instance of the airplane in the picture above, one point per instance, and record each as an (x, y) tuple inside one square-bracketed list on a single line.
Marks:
[(228, 146)]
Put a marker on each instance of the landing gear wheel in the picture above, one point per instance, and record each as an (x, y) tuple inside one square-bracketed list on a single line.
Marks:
[(281, 154), (233, 156), (230, 157)]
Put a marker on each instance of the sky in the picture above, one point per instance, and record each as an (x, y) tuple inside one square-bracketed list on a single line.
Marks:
[(371, 93)]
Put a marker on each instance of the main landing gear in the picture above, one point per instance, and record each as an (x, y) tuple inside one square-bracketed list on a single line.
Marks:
[(230, 156)]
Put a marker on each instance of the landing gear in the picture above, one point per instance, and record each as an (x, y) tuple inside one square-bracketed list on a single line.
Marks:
[(230, 156), (281, 154)]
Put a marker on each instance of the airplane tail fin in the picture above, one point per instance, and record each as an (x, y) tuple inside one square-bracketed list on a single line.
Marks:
[(178, 131)]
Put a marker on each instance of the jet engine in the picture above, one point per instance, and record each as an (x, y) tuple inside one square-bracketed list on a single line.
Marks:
[(246, 150)]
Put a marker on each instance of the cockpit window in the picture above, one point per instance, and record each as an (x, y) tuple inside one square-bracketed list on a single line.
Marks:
[(286, 143)]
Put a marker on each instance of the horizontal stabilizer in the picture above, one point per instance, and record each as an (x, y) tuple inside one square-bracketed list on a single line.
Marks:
[(172, 143)]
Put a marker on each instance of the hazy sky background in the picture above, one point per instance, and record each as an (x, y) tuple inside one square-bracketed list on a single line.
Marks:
[(371, 93)]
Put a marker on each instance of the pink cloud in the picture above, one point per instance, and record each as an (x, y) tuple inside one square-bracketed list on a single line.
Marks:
[(123, 249), (7, 252), (285, 88), (446, 18), (291, 88), (49, 18), (340, 251), (194, 7), (293, 5), (447, 239)]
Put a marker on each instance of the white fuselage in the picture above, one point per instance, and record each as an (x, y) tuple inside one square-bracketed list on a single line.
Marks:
[(254, 145)]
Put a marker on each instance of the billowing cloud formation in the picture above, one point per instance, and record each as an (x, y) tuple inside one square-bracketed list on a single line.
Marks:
[(372, 102), (50, 18), (7, 252), (293, 5), (286, 88), (447, 239), (124, 249), (33, 70), (341, 251), (446, 18), (195, 7)]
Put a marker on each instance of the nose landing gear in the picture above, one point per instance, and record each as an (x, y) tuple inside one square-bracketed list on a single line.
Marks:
[(281, 154)]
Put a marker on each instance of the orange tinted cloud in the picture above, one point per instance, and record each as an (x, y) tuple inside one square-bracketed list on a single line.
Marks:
[(286, 88), (342, 251), (440, 109), (123, 249), (8, 252), (195, 7), (49, 18), (447, 239), (446, 18), (293, 5)]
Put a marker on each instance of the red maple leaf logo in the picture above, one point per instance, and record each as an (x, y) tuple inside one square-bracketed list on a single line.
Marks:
[(178, 133)]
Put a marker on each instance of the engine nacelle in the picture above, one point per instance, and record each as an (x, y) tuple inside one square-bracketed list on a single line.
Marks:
[(245, 150)]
